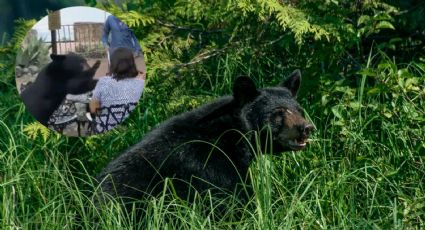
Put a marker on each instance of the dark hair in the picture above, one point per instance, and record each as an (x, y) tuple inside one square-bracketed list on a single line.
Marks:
[(122, 64)]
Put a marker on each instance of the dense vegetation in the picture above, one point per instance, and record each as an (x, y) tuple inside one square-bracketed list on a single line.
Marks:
[(363, 65), (27, 9)]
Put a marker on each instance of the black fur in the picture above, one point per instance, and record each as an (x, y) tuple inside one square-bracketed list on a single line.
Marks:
[(65, 74), (182, 147)]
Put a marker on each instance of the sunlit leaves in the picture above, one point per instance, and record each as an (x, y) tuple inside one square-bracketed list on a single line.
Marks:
[(35, 130)]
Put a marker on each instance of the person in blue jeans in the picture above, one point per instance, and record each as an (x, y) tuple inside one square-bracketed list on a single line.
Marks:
[(117, 34)]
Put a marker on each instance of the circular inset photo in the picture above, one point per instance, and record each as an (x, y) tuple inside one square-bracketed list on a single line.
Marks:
[(80, 71)]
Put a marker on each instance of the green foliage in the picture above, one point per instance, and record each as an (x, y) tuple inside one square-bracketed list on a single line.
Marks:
[(187, 40), (91, 3), (383, 15), (35, 130), (8, 51), (21, 30), (363, 88), (388, 93), (33, 51)]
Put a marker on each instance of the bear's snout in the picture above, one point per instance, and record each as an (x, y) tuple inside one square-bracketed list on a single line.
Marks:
[(305, 130), (295, 131)]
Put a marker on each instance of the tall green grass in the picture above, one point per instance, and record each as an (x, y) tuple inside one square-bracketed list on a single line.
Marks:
[(317, 188), (364, 167)]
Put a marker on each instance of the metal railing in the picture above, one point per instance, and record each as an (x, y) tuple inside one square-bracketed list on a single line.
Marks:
[(87, 44)]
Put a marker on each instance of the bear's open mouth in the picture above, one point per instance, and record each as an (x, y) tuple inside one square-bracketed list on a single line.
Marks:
[(297, 144)]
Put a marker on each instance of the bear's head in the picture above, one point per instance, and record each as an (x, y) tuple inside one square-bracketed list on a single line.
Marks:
[(273, 109), (72, 73), (69, 65)]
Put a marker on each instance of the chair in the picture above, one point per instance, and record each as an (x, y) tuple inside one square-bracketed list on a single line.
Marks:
[(109, 117), (68, 115), (63, 116)]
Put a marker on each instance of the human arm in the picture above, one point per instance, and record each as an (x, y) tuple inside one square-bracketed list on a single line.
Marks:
[(106, 31), (136, 45), (141, 66), (94, 105), (139, 57)]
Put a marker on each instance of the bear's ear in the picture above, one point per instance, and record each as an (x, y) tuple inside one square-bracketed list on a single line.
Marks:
[(244, 90), (292, 82), (57, 57)]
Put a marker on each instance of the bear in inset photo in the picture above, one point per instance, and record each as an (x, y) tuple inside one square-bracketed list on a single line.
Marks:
[(65, 74), (210, 148)]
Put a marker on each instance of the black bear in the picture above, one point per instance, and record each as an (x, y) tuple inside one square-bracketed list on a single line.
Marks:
[(65, 74), (209, 147)]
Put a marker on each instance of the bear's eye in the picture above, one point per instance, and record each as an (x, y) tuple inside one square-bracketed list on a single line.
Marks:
[(278, 116), (277, 119)]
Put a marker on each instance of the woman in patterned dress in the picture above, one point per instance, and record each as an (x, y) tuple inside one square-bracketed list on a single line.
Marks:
[(116, 94)]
